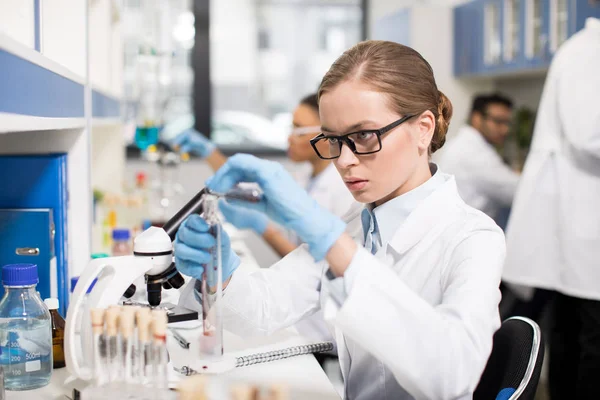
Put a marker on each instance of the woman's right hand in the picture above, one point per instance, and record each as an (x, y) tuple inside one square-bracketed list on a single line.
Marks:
[(284, 201), (193, 250)]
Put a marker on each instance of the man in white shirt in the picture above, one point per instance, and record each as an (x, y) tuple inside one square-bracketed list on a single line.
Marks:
[(484, 181)]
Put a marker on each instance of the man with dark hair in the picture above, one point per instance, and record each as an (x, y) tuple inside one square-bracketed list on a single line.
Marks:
[(483, 179)]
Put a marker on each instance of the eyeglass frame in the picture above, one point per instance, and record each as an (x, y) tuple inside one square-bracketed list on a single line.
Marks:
[(345, 140), (498, 121)]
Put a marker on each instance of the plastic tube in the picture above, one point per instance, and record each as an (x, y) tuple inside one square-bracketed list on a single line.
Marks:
[(143, 351), (114, 351), (99, 350), (159, 347), (127, 321)]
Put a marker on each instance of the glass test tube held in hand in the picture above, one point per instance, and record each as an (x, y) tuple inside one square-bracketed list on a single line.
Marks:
[(211, 341)]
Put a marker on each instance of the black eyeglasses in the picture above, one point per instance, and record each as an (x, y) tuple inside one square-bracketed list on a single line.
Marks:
[(362, 142), (498, 120)]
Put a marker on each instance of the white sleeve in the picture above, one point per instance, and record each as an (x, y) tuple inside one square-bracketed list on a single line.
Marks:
[(434, 352), (497, 180), (577, 88), (264, 301)]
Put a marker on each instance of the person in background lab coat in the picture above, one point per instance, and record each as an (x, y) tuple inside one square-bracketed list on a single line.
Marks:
[(484, 181), (408, 281), (553, 234), (324, 184)]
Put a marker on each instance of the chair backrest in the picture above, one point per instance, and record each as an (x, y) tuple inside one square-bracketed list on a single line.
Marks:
[(514, 367)]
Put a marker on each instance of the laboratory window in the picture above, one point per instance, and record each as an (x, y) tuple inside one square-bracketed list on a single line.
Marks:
[(559, 14), (512, 24), (536, 39), (492, 34), (265, 55)]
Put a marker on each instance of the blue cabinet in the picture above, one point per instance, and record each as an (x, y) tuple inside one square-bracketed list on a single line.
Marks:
[(507, 37)]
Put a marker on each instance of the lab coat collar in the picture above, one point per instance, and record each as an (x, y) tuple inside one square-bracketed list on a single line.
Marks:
[(593, 24), (386, 218), (427, 215)]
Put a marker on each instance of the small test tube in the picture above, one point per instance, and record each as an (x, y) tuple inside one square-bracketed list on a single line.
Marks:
[(159, 346), (244, 392), (278, 392), (143, 320), (127, 325), (193, 388), (99, 349), (211, 341), (112, 329)]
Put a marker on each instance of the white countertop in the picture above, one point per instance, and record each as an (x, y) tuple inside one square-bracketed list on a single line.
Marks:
[(301, 374)]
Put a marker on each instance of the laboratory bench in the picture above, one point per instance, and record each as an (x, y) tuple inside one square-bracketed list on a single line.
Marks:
[(301, 374)]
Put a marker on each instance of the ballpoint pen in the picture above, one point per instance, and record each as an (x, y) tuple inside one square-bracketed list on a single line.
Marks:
[(180, 339)]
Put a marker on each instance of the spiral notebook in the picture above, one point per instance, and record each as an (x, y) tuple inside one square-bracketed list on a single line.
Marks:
[(258, 358)]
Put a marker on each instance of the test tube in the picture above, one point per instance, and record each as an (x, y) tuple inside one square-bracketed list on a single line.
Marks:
[(112, 328), (159, 347), (144, 350), (126, 325), (244, 392), (211, 341), (99, 350), (278, 392), (193, 388)]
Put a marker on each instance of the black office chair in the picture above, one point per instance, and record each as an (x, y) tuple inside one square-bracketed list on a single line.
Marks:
[(513, 369)]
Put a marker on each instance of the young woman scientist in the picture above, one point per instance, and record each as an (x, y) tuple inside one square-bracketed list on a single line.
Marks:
[(410, 282), (324, 184)]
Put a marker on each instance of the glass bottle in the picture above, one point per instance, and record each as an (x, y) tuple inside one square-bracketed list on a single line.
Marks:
[(25, 330), (58, 333)]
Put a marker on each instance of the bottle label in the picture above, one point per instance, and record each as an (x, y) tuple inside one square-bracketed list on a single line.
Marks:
[(32, 366)]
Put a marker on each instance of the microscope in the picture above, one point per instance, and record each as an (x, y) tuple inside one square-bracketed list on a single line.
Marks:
[(152, 259)]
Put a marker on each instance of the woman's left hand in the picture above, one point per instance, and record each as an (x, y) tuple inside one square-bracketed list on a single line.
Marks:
[(284, 201)]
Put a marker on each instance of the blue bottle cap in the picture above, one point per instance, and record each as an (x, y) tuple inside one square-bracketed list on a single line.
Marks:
[(19, 275), (74, 281), (120, 234)]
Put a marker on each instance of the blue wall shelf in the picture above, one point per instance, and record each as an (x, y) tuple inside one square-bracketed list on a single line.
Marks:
[(470, 36)]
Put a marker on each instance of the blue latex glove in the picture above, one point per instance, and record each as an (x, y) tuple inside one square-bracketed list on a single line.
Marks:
[(193, 245), (194, 141), (284, 201), (243, 218)]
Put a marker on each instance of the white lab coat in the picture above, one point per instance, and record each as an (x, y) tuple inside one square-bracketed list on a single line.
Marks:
[(428, 311), (484, 181), (553, 234), (330, 192)]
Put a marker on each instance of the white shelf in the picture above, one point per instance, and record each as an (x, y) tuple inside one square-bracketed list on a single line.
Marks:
[(104, 122), (12, 46), (106, 92), (24, 123)]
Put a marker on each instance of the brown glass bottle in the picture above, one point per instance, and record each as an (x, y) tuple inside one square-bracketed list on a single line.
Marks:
[(58, 333)]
